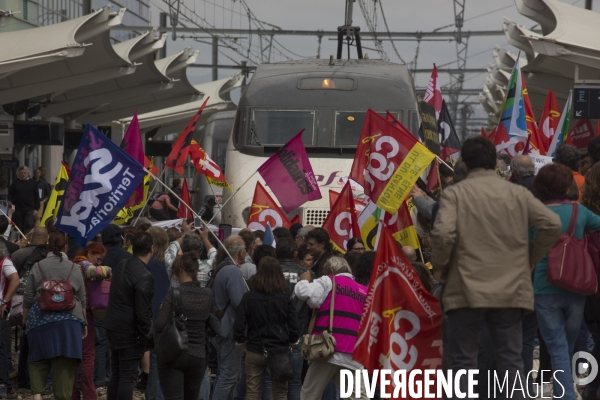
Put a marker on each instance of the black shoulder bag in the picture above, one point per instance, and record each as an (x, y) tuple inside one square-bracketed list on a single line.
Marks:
[(279, 361), (173, 340)]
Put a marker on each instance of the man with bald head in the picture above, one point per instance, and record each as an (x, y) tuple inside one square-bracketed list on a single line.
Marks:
[(39, 237), (410, 253), (228, 287), (523, 171)]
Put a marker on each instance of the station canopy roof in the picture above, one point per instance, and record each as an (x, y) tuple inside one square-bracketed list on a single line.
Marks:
[(569, 38), (173, 119), (74, 72)]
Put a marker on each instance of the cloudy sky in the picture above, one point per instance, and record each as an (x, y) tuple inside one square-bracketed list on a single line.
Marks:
[(401, 15)]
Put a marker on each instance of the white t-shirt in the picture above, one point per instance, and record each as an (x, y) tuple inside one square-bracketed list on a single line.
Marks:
[(8, 269)]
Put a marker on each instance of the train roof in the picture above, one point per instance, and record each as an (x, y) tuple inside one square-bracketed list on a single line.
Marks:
[(365, 67)]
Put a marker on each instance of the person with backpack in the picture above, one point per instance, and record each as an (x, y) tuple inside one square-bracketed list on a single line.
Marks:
[(53, 310), (96, 277)]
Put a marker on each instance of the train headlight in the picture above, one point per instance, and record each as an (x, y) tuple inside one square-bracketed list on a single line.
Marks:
[(328, 84), (350, 118)]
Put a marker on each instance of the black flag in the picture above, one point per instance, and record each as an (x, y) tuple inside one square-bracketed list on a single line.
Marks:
[(448, 138)]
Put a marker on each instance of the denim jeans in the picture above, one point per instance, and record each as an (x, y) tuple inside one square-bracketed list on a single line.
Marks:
[(101, 371), (153, 389), (230, 360), (559, 317), (331, 392), (240, 388), (205, 388), (295, 384), (124, 370)]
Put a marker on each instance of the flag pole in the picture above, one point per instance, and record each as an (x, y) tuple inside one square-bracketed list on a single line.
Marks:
[(444, 162), (189, 208), (13, 224), (149, 196), (231, 197)]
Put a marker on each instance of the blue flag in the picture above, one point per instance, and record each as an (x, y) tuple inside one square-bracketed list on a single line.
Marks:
[(102, 179), (268, 238)]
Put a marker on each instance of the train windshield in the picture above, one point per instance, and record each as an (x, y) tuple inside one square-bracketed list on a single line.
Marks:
[(348, 125), (276, 127), (220, 134)]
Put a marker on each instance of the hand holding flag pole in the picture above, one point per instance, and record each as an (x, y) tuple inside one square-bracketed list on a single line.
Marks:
[(13, 224), (190, 208), (149, 197)]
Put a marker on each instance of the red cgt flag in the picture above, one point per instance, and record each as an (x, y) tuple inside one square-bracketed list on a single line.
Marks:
[(181, 148), (333, 196), (433, 94), (341, 222), (549, 120), (183, 211), (263, 210), (388, 161), (400, 327)]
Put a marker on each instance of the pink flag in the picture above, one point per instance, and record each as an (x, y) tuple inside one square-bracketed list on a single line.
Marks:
[(289, 175), (433, 94), (132, 144)]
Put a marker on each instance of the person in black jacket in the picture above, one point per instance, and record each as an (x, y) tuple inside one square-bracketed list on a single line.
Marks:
[(112, 239), (23, 193), (285, 251), (267, 313), (129, 316), (181, 378), (317, 241)]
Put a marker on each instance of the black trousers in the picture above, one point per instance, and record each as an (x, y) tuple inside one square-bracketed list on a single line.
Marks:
[(159, 215), (124, 371), (465, 326), (24, 219), (181, 379)]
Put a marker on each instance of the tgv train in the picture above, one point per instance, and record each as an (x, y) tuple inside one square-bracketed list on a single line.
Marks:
[(326, 98)]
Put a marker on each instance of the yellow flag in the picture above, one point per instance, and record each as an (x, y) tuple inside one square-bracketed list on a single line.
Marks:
[(55, 199)]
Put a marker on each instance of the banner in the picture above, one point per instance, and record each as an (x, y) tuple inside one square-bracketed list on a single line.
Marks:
[(207, 167), (448, 138), (388, 161), (183, 211), (400, 225), (264, 210), (181, 148), (581, 134), (549, 120), (290, 176), (400, 327), (358, 204), (341, 222), (560, 136), (132, 145), (433, 94), (540, 161), (102, 179), (511, 136), (56, 196), (429, 127)]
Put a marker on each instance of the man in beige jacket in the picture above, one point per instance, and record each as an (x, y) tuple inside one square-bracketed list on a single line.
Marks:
[(482, 251)]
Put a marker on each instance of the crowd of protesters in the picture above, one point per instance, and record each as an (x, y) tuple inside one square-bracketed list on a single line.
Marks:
[(485, 238)]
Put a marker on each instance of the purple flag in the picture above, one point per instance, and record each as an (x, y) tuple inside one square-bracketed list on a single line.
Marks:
[(289, 174), (132, 144)]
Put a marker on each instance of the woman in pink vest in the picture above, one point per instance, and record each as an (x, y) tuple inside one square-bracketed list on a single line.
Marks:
[(349, 302)]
